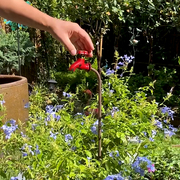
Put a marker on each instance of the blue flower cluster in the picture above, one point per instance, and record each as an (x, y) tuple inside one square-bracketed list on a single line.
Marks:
[(52, 112), (109, 72), (114, 109), (9, 127), (66, 95), (68, 138), (94, 128), (168, 111), (126, 60), (14, 178), (27, 149), (169, 131), (114, 177), (140, 162), (116, 153)]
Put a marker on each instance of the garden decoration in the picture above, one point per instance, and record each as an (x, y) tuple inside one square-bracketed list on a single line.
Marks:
[(80, 64), (52, 84)]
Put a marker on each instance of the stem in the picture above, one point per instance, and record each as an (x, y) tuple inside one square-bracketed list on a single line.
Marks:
[(99, 113)]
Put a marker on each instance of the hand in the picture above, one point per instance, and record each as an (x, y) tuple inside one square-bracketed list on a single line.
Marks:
[(71, 35)]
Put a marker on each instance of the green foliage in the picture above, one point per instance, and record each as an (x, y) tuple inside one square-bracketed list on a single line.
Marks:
[(165, 81), (9, 50), (166, 158)]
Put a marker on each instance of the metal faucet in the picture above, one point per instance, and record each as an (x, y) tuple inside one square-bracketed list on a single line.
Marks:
[(80, 64)]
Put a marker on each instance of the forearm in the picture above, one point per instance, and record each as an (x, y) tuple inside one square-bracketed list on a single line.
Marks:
[(21, 12)]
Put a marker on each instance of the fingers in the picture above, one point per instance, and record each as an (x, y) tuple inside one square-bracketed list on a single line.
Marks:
[(69, 46), (86, 40)]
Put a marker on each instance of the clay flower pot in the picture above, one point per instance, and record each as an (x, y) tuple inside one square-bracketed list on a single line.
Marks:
[(15, 93)]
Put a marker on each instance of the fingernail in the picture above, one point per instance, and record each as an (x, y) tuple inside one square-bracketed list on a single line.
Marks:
[(73, 52)]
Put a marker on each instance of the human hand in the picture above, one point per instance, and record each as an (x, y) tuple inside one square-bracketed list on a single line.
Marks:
[(71, 35)]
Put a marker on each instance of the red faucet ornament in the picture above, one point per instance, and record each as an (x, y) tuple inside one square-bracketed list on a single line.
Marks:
[(80, 63)]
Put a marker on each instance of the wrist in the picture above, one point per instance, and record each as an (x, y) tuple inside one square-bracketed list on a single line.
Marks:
[(48, 24)]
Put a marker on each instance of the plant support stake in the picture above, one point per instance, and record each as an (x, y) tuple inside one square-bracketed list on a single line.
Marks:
[(80, 64), (19, 59)]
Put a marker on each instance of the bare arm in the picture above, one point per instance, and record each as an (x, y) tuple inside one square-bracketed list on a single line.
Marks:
[(70, 34)]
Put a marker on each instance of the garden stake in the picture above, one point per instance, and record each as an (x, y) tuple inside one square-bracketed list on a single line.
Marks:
[(80, 64), (19, 60)]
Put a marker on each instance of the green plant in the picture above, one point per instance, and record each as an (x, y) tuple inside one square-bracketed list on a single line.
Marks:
[(165, 81), (9, 59)]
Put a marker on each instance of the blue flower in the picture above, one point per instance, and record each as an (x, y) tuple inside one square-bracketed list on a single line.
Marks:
[(159, 124), (154, 133), (114, 177), (172, 128), (167, 110), (111, 91), (22, 134), (121, 63), (165, 121), (116, 153), (24, 154), (34, 126), (168, 132), (2, 102), (109, 72), (27, 149), (145, 133), (127, 59), (27, 105), (58, 107), (151, 139), (145, 146), (14, 178), (68, 138), (37, 151), (114, 109), (51, 111), (53, 135), (78, 114), (94, 128), (66, 95), (9, 127), (137, 165)]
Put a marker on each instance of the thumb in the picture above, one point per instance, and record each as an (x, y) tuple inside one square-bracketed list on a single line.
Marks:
[(70, 47)]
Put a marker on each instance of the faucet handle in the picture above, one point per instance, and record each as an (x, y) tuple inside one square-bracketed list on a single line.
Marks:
[(83, 52)]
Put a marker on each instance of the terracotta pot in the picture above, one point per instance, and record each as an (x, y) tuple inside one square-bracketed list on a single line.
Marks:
[(15, 94)]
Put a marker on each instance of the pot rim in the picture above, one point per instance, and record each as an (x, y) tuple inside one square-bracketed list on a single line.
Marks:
[(17, 80)]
